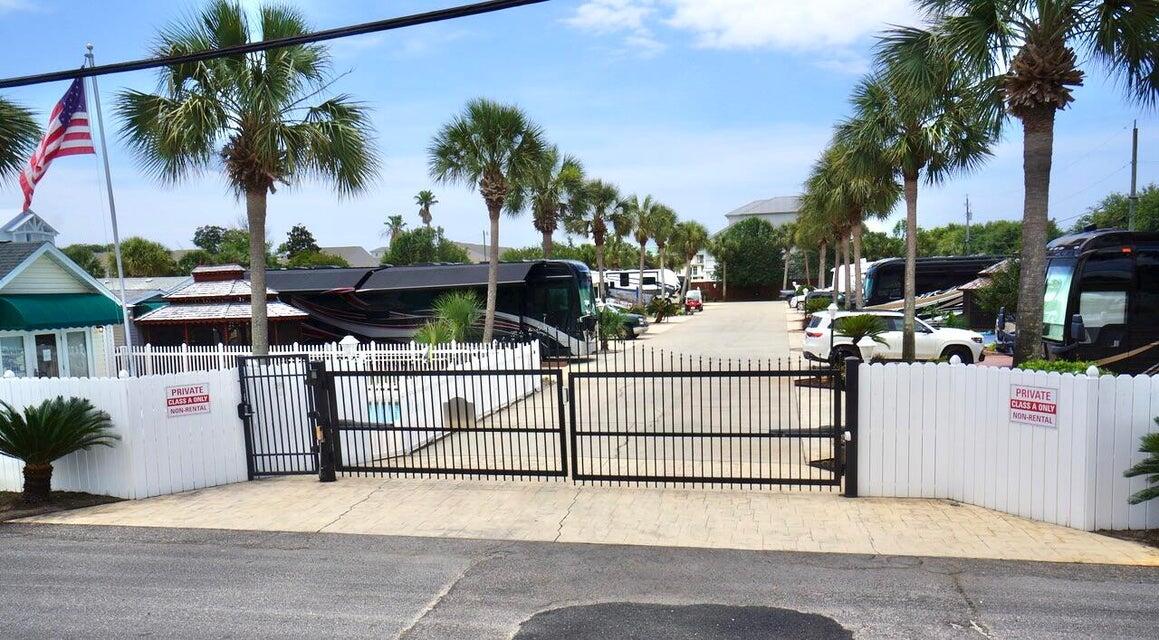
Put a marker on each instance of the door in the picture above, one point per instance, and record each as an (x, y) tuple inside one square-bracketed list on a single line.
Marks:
[(47, 355), (925, 344), (891, 350)]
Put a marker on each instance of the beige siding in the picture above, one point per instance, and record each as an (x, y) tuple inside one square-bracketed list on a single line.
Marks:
[(47, 276)]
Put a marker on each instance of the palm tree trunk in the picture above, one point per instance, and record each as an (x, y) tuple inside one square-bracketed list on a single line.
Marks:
[(805, 261), (687, 276), (600, 268), (255, 210), (724, 281), (640, 284), (1037, 148), (858, 294), (37, 483), (821, 265), (848, 274), (662, 280), (492, 275), (911, 255), (547, 245), (838, 260), (785, 270)]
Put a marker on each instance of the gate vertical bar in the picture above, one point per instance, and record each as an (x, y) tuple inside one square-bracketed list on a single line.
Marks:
[(572, 425), (245, 412), (562, 423), (850, 434), (324, 416)]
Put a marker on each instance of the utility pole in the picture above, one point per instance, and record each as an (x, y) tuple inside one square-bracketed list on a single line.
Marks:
[(969, 216), (1134, 199)]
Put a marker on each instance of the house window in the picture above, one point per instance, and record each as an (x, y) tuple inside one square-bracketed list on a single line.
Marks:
[(12, 357), (78, 354)]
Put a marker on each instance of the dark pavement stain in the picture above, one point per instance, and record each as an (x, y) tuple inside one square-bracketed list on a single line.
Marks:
[(632, 621)]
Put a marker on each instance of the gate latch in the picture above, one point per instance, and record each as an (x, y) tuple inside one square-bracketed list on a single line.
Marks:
[(244, 411)]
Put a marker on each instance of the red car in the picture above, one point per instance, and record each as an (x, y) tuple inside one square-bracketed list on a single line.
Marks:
[(693, 302)]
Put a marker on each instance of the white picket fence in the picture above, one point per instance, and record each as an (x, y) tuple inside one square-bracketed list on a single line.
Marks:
[(157, 454), (945, 431), (151, 360)]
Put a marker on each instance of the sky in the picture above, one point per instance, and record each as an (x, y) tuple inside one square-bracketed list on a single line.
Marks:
[(704, 104)]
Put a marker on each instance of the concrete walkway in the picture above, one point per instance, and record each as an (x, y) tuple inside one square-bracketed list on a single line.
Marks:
[(557, 511)]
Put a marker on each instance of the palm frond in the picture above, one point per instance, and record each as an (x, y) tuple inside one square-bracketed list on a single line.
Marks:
[(19, 135)]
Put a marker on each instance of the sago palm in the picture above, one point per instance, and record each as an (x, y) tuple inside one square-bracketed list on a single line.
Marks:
[(260, 116), (555, 186), (688, 238), (425, 200), (43, 433), (495, 148), (923, 135), (1149, 467), (460, 311), (601, 204), (19, 135), (1027, 53)]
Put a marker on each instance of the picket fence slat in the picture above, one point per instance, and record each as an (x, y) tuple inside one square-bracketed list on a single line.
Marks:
[(945, 431)]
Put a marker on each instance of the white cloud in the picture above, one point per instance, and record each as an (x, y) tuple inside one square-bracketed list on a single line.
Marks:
[(8, 6), (830, 27)]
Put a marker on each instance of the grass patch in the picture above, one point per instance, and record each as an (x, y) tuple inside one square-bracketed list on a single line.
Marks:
[(12, 507)]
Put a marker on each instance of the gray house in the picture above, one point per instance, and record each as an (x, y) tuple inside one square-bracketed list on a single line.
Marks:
[(777, 211)]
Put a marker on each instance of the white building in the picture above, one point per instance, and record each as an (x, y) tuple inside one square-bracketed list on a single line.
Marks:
[(703, 267)]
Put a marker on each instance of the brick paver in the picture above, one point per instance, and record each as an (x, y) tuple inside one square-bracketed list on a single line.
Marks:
[(559, 511)]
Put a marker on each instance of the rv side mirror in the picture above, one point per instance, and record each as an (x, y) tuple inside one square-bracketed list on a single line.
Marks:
[(588, 323), (1078, 330)]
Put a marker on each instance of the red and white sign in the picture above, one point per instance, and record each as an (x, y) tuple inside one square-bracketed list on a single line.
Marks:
[(186, 400), (1034, 405)]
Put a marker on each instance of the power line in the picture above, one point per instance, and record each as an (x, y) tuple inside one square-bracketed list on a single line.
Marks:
[(429, 17)]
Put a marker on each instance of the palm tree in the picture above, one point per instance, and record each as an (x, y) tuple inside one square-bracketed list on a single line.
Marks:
[(920, 134), (394, 226), (864, 186), (663, 224), (600, 204), (555, 186), (19, 135), (48, 431), (252, 114), (641, 218), (688, 238), (425, 199), (496, 148), (1025, 52), (813, 231)]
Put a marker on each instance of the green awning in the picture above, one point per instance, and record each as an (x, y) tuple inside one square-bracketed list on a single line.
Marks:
[(26, 312)]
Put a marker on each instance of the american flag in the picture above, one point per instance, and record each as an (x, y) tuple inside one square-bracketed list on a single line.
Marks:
[(68, 135)]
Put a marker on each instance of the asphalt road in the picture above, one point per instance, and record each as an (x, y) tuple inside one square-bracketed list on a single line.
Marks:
[(100, 582)]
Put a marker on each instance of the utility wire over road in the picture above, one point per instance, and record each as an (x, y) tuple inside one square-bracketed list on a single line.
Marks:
[(439, 15)]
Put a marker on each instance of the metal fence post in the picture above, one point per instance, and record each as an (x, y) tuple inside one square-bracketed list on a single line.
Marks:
[(324, 433), (850, 435)]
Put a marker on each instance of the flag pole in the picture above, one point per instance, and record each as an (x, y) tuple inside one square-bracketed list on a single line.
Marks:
[(113, 215)]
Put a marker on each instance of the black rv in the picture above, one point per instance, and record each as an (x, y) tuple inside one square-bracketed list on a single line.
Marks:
[(548, 300), (885, 279), (1102, 299)]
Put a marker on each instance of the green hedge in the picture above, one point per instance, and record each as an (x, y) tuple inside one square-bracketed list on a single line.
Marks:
[(1058, 366)]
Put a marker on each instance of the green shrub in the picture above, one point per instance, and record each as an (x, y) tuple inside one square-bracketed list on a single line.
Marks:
[(661, 308), (638, 309), (1058, 366), (1148, 467), (956, 321), (611, 325), (813, 305)]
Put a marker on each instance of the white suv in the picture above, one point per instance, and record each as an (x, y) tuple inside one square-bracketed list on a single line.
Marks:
[(929, 343)]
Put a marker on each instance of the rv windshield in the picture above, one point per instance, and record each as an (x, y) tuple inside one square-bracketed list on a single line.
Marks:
[(1059, 274), (586, 306)]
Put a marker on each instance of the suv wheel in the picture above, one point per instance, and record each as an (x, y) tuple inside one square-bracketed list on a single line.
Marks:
[(964, 353)]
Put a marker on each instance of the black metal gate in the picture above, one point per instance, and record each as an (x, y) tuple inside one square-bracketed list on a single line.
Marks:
[(649, 416), (277, 411), (636, 415), (447, 422)]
